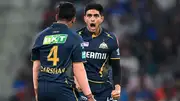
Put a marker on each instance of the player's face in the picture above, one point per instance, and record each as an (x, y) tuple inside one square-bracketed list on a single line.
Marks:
[(93, 19)]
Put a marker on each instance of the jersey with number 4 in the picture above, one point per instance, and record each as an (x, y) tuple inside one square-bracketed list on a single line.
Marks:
[(57, 47), (99, 50)]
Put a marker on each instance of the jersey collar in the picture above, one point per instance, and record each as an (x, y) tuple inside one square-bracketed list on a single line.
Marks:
[(89, 34), (57, 25)]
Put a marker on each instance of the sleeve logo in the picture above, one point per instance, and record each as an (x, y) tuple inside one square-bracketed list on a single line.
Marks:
[(118, 51), (85, 44)]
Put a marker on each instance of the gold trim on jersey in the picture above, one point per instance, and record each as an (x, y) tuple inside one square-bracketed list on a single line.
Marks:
[(75, 94), (66, 81), (95, 81), (109, 35), (80, 32), (80, 62), (94, 35), (115, 58), (102, 67)]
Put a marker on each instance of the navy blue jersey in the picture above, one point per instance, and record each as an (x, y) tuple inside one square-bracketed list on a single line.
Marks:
[(57, 47), (99, 50)]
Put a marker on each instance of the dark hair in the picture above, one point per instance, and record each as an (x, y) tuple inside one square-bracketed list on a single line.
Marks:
[(66, 11), (95, 6)]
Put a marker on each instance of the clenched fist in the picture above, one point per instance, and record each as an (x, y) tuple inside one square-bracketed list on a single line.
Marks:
[(116, 93)]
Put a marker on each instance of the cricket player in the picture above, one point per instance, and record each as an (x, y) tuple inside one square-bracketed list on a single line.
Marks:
[(56, 53), (102, 52)]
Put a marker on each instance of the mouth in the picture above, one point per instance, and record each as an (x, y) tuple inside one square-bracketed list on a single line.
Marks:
[(92, 25)]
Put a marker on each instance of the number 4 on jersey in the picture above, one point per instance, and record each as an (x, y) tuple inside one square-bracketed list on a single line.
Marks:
[(53, 55)]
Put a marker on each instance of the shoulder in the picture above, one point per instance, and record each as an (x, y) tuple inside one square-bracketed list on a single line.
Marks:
[(43, 33), (111, 37), (109, 34), (38, 39), (76, 37), (80, 31)]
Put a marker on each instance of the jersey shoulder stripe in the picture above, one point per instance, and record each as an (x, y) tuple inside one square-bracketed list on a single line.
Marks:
[(80, 31)]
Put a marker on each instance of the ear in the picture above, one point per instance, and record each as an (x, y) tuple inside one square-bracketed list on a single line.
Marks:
[(85, 19), (102, 18), (74, 20), (56, 17)]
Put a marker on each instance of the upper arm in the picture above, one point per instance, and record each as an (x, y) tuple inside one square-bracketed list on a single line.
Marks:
[(35, 53), (115, 53), (78, 64), (36, 64)]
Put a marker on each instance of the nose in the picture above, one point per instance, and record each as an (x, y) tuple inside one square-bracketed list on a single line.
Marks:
[(92, 19)]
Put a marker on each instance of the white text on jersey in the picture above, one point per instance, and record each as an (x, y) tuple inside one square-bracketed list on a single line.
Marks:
[(96, 55)]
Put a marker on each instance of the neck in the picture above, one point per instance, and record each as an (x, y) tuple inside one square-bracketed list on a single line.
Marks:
[(97, 32), (63, 22)]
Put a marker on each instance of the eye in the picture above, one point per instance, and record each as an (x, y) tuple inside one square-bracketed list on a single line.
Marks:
[(96, 15), (89, 15)]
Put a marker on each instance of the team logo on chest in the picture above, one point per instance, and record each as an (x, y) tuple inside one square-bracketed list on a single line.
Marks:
[(103, 45)]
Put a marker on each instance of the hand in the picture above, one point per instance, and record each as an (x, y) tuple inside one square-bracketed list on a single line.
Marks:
[(90, 97), (116, 93), (36, 98), (36, 94)]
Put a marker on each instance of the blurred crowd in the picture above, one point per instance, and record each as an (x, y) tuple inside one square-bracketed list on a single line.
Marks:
[(148, 33)]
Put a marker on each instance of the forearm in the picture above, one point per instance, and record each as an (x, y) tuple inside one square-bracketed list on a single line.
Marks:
[(116, 72), (81, 77), (77, 84), (35, 78), (36, 66)]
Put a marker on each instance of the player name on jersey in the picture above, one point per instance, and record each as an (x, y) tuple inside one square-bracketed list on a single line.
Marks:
[(52, 70), (96, 55)]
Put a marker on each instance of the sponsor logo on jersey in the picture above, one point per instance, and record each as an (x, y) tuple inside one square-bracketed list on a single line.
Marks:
[(85, 44), (82, 46), (53, 39), (96, 55), (103, 45), (83, 55)]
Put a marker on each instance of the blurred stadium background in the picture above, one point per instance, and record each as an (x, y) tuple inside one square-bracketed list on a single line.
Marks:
[(148, 33)]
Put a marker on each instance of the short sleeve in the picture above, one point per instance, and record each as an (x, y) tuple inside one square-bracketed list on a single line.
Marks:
[(35, 53), (115, 54), (79, 55)]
